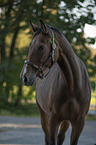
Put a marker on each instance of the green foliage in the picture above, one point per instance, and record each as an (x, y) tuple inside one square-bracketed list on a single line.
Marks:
[(68, 16), (91, 117), (93, 66), (20, 110)]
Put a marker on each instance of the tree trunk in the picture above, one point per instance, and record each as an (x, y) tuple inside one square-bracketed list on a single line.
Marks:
[(17, 102), (2, 50), (4, 30), (13, 42)]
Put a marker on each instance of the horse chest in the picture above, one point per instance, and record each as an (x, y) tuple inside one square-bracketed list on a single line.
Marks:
[(50, 95)]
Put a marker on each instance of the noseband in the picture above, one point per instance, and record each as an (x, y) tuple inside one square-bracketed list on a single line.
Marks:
[(51, 55)]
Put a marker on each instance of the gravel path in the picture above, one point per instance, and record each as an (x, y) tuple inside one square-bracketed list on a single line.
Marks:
[(21, 130)]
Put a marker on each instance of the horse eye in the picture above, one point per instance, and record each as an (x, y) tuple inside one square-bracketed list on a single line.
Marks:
[(40, 48)]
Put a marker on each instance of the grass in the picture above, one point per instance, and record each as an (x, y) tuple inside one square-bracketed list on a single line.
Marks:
[(91, 117), (27, 110)]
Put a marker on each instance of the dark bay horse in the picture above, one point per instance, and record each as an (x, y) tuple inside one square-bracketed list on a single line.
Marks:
[(63, 89)]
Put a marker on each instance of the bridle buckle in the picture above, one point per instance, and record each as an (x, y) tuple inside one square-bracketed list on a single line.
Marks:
[(53, 51), (54, 45)]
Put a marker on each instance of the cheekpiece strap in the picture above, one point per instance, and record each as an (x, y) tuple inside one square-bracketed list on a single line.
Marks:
[(53, 46)]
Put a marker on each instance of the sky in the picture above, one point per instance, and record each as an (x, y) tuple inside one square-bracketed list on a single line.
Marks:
[(90, 31)]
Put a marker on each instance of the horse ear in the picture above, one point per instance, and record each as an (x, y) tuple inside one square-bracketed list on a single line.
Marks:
[(43, 27), (33, 27)]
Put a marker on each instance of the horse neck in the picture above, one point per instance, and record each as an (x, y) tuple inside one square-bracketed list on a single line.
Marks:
[(68, 62)]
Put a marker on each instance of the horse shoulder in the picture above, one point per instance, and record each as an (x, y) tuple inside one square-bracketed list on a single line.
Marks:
[(48, 89)]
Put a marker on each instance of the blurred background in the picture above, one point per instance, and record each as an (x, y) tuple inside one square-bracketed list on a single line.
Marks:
[(76, 19)]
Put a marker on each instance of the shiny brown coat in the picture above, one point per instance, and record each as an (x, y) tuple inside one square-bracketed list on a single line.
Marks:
[(63, 96)]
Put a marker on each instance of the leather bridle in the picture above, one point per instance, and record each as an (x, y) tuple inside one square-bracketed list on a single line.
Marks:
[(51, 55)]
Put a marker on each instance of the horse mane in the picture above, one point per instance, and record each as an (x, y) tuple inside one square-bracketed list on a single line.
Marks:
[(56, 30)]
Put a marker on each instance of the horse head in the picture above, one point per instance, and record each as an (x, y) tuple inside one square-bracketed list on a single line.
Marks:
[(42, 54)]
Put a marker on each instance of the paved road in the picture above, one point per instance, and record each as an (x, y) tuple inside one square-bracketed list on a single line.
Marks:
[(20, 130)]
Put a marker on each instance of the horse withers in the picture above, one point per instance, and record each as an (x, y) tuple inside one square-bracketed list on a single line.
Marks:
[(63, 89)]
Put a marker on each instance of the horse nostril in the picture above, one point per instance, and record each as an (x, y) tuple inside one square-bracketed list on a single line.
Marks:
[(25, 79)]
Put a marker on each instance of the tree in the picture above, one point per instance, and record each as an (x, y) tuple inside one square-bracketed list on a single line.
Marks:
[(68, 16)]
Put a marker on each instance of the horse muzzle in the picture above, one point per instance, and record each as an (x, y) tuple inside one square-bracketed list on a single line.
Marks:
[(28, 81), (28, 78)]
